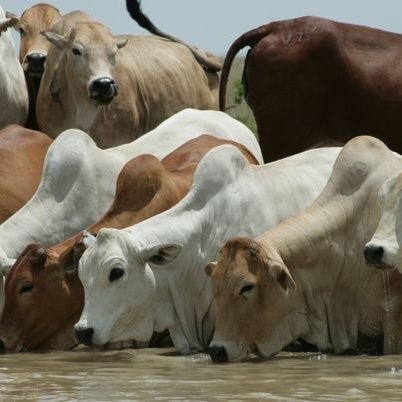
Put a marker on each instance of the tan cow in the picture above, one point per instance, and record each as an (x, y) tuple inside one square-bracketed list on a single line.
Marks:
[(34, 47), (118, 87), (307, 276), (44, 296)]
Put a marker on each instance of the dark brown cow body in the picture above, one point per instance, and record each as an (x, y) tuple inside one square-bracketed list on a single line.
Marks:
[(22, 152), (315, 81), (44, 297)]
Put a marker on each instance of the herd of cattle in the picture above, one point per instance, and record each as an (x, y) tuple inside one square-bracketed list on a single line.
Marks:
[(144, 209)]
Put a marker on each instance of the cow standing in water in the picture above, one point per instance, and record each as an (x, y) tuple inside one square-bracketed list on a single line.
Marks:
[(49, 278), (306, 277), (311, 81)]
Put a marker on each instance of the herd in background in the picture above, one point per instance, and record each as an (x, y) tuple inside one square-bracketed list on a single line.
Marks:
[(152, 211)]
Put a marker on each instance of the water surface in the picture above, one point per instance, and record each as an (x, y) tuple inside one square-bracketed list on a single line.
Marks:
[(151, 375)]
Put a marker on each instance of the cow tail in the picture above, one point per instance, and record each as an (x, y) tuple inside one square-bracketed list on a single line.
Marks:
[(207, 60), (250, 38)]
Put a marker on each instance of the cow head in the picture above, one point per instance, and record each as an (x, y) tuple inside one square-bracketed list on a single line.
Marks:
[(43, 299), (384, 250), (250, 287), (120, 288), (33, 46), (90, 56)]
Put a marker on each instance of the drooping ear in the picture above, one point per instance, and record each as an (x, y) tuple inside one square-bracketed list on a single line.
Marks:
[(279, 272), (70, 260), (209, 269), (59, 41), (161, 254), (121, 42)]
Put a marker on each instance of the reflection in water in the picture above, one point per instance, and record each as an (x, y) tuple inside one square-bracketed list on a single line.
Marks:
[(147, 374)]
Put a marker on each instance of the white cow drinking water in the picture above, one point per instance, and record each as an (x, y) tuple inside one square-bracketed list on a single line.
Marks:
[(150, 276)]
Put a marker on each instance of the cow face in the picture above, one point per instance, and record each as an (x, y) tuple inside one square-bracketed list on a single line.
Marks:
[(384, 250), (40, 302), (90, 51), (119, 290), (33, 46), (250, 289)]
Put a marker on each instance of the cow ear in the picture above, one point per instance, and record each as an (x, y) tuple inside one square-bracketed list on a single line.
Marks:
[(162, 254), (121, 42), (69, 262), (11, 20), (59, 41), (279, 272), (209, 269)]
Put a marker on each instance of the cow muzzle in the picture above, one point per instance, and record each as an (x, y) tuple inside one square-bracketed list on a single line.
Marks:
[(34, 64), (218, 354), (84, 335), (103, 90), (373, 255)]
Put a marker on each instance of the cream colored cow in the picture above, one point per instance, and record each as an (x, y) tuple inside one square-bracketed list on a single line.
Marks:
[(307, 277), (13, 89), (117, 87)]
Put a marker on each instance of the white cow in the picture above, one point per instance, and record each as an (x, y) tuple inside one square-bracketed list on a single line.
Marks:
[(13, 89), (150, 276), (384, 250), (78, 181)]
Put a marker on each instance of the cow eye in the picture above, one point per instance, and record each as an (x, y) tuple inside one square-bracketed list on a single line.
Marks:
[(245, 289), (116, 273), (22, 31), (76, 51), (26, 288)]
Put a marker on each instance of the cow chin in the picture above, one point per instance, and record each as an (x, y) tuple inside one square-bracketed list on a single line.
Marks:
[(34, 72)]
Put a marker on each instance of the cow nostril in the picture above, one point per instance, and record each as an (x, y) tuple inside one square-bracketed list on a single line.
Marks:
[(2, 347), (84, 335), (218, 354), (373, 254)]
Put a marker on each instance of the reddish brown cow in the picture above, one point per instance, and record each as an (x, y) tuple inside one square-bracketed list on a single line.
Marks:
[(313, 81), (22, 152), (44, 297)]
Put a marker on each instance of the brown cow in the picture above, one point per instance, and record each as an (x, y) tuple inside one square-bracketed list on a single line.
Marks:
[(22, 152), (313, 81), (44, 296), (34, 48)]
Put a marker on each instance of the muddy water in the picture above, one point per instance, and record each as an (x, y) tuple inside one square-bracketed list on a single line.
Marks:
[(142, 375)]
